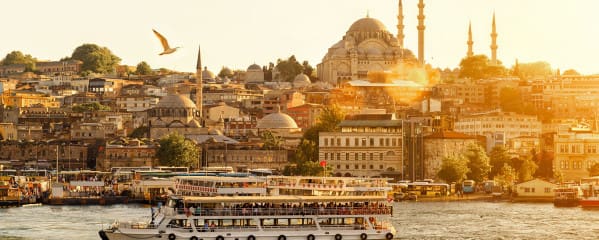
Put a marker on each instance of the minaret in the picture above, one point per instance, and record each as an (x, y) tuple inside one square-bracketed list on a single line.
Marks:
[(493, 43), (470, 42), (199, 83), (400, 25), (421, 32)]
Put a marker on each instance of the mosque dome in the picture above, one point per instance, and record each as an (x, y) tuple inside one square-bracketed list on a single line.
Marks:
[(175, 101), (301, 80), (207, 74), (277, 120), (367, 25), (254, 67)]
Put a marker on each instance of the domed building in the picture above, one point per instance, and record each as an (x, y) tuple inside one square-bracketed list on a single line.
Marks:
[(367, 46), (254, 74), (174, 112), (208, 76), (281, 125), (301, 81)]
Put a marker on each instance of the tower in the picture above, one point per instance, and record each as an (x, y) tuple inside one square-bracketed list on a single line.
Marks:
[(400, 25), (421, 32), (199, 83), (470, 42), (493, 43)]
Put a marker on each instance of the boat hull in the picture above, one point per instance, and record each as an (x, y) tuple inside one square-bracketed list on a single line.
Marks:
[(271, 235), (589, 203)]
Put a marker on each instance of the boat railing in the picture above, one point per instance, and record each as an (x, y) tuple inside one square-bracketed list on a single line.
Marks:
[(259, 211)]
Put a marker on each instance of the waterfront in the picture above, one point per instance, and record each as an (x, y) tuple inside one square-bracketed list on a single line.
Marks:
[(414, 220)]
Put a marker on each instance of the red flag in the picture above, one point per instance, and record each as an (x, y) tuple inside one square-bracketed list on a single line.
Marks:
[(323, 163)]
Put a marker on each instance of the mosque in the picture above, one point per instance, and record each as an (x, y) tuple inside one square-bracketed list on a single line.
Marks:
[(369, 46)]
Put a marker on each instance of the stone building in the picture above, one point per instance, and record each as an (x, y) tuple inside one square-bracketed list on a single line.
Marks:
[(576, 150), (365, 146), (443, 144)]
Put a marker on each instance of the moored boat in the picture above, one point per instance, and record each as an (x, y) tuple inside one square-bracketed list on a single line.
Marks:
[(567, 196)]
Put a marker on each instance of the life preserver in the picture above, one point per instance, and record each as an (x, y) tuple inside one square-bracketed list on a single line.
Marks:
[(389, 236), (251, 237), (310, 237), (363, 236), (220, 237), (193, 238), (338, 236), (172, 236), (282, 237)]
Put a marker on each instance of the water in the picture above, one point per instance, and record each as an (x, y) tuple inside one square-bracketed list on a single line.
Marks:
[(414, 220)]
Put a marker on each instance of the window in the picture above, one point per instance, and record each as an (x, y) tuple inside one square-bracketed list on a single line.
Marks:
[(381, 166), (371, 156), (364, 142), (338, 141), (326, 142), (364, 156), (346, 142), (372, 142), (346, 156), (346, 166), (547, 190), (363, 166), (371, 166), (338, 166)]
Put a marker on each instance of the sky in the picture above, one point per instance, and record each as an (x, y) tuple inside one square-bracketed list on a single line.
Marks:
[(238, 33)]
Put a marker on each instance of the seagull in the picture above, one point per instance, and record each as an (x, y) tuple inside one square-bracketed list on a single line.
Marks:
[(164, 42)]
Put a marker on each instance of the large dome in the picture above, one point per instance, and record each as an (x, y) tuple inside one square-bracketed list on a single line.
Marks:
[(255, 67), (276, 120), (367, 25), (175, 101)]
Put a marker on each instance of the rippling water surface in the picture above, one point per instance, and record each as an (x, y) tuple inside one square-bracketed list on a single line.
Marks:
[(414, 220)]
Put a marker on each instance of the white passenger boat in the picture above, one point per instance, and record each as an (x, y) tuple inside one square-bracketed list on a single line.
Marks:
[(214, 208), (263, 217)]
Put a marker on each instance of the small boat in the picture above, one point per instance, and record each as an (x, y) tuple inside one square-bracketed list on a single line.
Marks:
[(589, 202)]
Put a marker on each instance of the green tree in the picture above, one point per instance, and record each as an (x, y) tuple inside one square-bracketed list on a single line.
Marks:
[(305, 161), (478, 162), (289, 68), (308, 70), (225, 72), (527, 170), (453, 169), (505, 176), (510, 100), (594, 170), (545, 162), (17, 57), (498, 158), (534, 69), (177, 151), (271, 141), (479, 67), (89, 107), (95, 58), (143, 68)]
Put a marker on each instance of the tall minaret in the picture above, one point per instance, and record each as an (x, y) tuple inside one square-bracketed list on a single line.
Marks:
[(199, 83), (421, 31), (493, 43), (400, 25), (470, 42)]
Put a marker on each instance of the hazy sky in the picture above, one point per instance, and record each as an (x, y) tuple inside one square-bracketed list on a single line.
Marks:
[(238, 33)]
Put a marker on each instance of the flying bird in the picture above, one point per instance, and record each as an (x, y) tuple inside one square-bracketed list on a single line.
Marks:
[(164, 42)]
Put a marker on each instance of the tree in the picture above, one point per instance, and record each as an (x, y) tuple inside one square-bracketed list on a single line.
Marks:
[(305, 161), (478, 162), (177, 151), (225, 72), (505, 176), (289, 68), (545, 162), (527, 170), (594, 170), (95, 58), (330, 117), (478, 67), (88, 107), (271, 141), (308, 70), (510, 100), (498, 158), (453, 169), (17, 57), (534, 69), (143, 68)]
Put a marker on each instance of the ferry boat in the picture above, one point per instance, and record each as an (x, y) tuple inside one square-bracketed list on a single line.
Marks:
[(294, 208), (567, 196)]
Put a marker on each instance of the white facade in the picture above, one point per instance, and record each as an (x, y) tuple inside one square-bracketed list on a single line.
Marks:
[(498, 127), (535, 188)]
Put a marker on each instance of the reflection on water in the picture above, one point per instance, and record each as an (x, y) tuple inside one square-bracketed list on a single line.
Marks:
[(414, 220), (485, 220)]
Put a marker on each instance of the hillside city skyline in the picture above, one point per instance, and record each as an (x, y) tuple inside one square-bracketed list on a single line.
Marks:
[(247, 34)]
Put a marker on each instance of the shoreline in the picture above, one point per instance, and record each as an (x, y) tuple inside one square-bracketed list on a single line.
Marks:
[(482, 198)]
